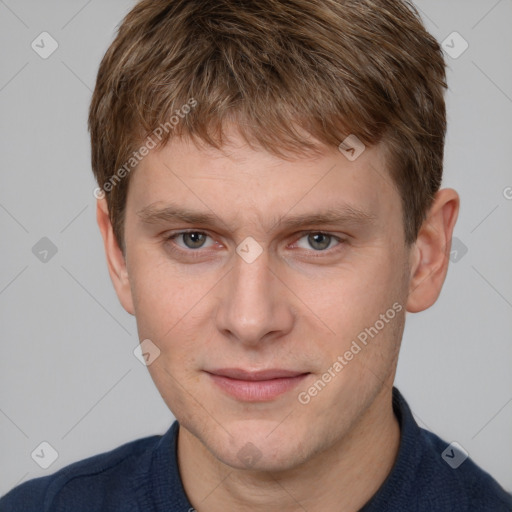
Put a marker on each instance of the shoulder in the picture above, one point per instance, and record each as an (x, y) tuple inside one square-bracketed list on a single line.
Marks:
[(431, 474), (105, 479), (454, 480)]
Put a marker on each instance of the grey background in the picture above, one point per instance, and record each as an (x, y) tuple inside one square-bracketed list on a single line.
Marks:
[(68, 375)]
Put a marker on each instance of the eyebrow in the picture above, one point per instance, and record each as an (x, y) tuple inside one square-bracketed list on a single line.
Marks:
[(339, 214)]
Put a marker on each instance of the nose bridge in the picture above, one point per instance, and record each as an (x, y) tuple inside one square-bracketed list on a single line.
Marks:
[(254, 302)]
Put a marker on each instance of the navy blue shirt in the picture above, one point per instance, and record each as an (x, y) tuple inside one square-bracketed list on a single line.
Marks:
[(143, 476)]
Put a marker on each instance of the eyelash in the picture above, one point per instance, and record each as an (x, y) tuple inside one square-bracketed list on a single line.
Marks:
[(196, 253)]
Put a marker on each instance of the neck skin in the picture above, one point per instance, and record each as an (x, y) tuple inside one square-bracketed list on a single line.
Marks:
[(342, 478)]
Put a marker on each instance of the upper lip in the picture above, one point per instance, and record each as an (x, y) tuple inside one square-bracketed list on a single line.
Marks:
[(240, 374)]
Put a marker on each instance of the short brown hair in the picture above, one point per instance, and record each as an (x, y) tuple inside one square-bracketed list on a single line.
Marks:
[(330, 67)]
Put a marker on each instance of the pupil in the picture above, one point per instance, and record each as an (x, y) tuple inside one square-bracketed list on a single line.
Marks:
[(316, 242), (196, 239)]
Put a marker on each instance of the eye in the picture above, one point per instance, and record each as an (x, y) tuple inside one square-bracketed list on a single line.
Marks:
[(319, 241), (191, 239)]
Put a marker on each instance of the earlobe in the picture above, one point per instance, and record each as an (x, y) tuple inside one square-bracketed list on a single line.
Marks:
[(115, 259), (431, 251)]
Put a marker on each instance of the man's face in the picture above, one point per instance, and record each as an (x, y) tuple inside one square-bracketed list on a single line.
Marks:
[(293, 297)]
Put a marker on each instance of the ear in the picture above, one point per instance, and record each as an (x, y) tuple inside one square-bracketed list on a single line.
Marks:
[(115, 259), (431, 251)]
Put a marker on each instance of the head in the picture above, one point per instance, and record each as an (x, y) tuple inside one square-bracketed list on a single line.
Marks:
[(235, 121)]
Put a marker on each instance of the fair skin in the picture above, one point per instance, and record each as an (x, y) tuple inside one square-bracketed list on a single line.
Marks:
[(298, 306)]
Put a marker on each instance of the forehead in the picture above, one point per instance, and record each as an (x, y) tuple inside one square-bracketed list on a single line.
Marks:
[(239, 184)]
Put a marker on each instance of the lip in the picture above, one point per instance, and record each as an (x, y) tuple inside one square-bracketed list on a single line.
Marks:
[(257, 386)]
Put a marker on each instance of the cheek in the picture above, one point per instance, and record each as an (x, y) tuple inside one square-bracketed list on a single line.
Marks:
[(357, 306), (171, 310), (355, 294), (161, 297)]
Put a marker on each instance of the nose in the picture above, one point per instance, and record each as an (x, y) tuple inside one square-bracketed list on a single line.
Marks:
[(255, 305)]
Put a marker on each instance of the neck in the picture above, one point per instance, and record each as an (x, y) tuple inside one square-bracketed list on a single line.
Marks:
[(343, 477)]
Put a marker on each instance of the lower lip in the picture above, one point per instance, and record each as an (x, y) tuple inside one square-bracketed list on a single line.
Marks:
[(257, 391)]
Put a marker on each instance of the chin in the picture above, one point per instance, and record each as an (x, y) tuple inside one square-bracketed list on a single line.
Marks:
[(251, 458), (258, 446)]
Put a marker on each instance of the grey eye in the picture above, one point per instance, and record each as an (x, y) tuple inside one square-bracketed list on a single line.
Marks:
[(194, 239), (319, 241)]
